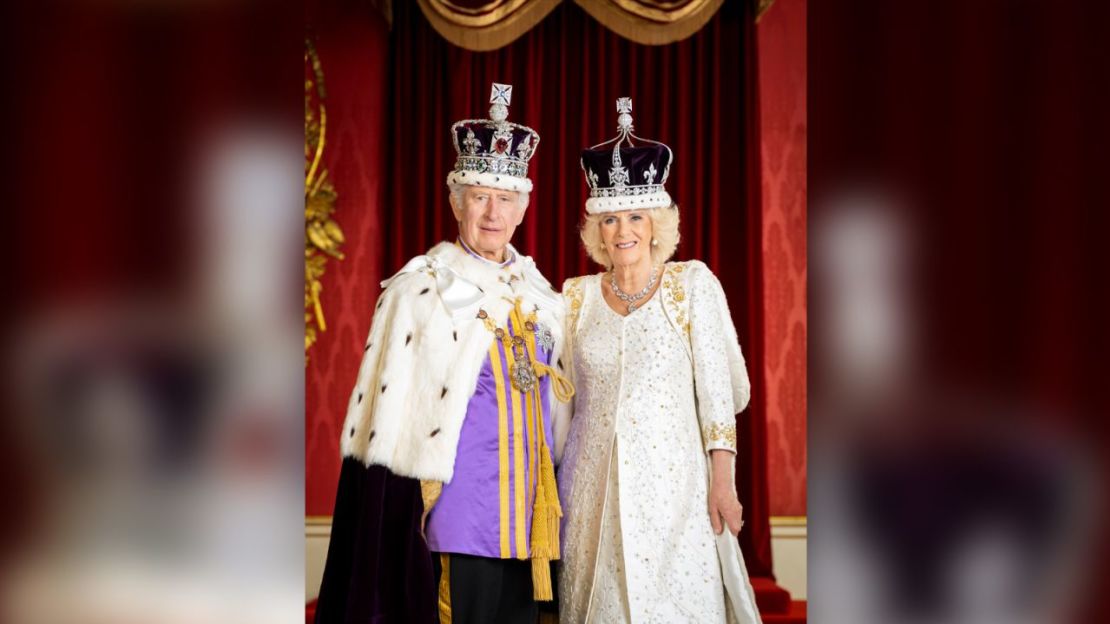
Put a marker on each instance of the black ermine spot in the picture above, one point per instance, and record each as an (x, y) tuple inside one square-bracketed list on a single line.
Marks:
[(434, 433), (424, 292), (444, 393), (408, 339)]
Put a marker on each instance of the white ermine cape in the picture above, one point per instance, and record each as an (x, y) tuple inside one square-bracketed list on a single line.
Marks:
[(424, 353)]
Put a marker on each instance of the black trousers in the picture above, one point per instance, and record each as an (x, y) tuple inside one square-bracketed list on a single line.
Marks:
[(481, 590)]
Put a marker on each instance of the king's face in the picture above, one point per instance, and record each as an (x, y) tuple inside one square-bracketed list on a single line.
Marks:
[(487, 219)]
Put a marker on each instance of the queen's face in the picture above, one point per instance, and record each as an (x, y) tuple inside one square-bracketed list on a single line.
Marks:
[(627, 236)]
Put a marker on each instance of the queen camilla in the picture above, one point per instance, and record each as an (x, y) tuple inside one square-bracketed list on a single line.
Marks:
[(647, 474)]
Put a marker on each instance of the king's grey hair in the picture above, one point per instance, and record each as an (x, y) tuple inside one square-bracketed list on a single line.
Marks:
[(457, 191)]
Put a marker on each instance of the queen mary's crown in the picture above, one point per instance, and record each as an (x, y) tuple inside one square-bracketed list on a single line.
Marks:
[(627, 172)]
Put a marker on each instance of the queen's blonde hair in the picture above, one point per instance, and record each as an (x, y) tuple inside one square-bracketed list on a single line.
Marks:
[(664, 229)]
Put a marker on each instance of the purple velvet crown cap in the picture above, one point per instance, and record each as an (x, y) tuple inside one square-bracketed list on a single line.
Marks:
[(644, 164), (494, 152), (624, 175)]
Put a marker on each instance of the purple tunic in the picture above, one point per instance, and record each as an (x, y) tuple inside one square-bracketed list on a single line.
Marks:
[(486, 509)]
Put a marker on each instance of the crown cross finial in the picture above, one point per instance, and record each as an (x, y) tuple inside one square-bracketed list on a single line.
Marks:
[(500, 95), (624, 118)]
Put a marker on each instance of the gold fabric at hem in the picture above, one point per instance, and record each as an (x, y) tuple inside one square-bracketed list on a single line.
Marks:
[(445, 589)]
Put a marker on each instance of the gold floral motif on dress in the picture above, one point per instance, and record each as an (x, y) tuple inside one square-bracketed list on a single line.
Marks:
[(720, 432), (676, 294), (573, 291)]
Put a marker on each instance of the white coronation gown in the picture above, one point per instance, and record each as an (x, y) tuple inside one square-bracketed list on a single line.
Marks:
[(638, 545)]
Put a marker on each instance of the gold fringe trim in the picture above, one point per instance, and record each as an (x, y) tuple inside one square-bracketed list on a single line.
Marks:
[(658, 10)]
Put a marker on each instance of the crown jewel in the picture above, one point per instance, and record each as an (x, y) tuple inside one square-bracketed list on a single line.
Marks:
[(623, 175), (494, 152)]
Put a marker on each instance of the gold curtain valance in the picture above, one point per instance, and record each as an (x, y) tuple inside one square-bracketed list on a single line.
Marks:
[(482, 25), (652, 22)]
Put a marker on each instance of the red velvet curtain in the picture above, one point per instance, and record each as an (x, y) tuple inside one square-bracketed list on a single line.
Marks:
[(696, 95)]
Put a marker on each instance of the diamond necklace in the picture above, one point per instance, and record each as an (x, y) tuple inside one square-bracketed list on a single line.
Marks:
[(633, 299)]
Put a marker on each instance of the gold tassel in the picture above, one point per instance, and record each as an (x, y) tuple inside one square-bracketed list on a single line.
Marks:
[(546, 513), (541, 579), (546, 510)]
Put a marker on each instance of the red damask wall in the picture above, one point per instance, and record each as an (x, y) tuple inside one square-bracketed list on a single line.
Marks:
[(781, 39), (352, 40)]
